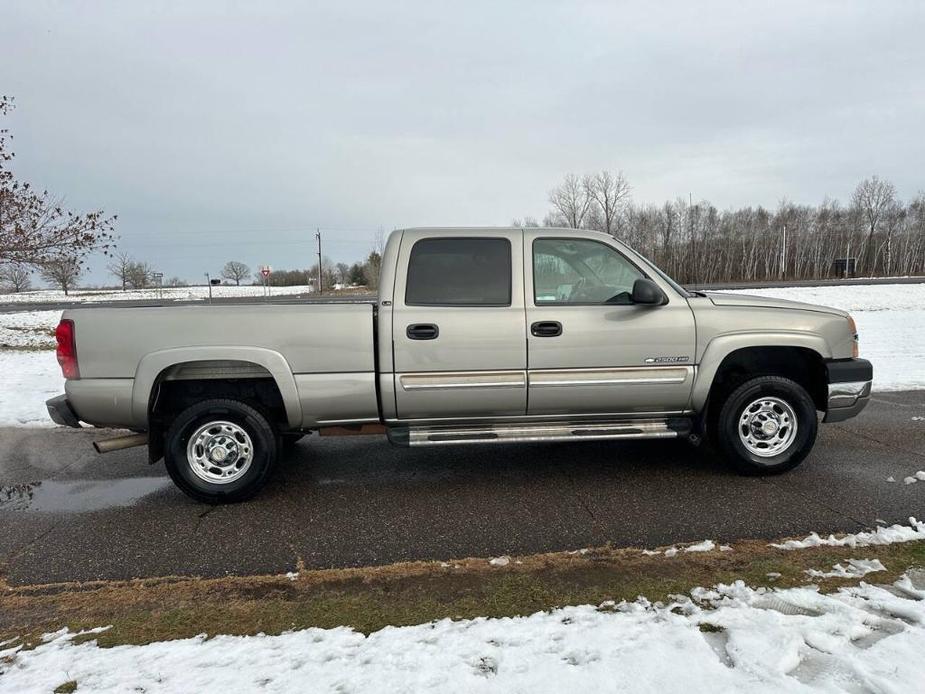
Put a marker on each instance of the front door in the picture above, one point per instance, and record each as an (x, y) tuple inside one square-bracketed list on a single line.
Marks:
[(590, 349), (458, 330)]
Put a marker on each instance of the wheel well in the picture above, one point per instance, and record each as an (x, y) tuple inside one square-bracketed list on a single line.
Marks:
[(799, 364), (182, 385)]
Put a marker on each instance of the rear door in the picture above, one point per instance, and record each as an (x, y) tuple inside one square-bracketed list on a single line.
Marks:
[(591, 350), (458, 330)]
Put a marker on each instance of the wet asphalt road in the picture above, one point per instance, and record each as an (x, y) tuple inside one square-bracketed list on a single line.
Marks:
[(68, 514)]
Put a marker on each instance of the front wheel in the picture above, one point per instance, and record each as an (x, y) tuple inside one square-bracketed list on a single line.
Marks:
[(220, 451), (766, 426)]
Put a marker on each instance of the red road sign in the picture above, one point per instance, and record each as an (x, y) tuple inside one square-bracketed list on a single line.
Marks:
[(265, 271)]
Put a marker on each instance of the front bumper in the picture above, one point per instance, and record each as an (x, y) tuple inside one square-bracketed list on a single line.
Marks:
[(61, 412), (849, 388)]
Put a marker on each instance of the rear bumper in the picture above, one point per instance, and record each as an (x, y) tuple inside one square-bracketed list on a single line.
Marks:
[(849, 388), (61, 412)]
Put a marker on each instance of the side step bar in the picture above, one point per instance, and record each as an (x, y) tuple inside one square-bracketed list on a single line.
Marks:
[(545, 431)]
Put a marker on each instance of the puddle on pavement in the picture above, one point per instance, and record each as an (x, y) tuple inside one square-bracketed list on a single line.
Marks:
[(78, 495)]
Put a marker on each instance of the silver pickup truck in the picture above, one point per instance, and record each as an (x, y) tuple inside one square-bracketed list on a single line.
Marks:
[(491, 335)]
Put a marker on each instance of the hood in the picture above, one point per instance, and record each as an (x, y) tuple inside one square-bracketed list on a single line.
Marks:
[(747, 300)]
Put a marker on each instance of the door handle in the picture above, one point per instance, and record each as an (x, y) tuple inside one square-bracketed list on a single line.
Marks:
[(422, 331), (546, 328)]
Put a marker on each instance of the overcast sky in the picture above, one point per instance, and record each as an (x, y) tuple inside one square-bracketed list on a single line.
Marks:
[(228, 130)]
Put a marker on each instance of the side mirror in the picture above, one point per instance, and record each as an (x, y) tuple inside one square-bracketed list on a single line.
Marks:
[(647, 293)]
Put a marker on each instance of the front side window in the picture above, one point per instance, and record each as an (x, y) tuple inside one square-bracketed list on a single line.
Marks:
[(459, 272), (581, 271)]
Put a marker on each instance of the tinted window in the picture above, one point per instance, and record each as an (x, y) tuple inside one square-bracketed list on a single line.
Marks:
[(459, 272), (581, 271)]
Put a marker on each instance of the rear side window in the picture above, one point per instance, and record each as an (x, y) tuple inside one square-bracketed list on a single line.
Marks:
[(459, 272)]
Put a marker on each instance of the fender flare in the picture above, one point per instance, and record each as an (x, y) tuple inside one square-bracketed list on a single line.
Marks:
[(153, 365), (722, 346)]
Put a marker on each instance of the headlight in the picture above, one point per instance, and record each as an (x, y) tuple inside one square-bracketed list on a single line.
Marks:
[(853, 329)]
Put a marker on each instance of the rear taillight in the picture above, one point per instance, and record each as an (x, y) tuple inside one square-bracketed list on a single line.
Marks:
[(67, 349)]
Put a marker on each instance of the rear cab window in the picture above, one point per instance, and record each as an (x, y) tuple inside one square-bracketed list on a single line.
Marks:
[(459, 272)]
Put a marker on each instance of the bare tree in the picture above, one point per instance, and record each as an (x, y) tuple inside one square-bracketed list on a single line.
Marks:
[(34, 227), (343, 272), (62, 272), (872, 198), (138, 274), (610, 192), (571, 201), (527, 222), (15, 278), (235, 270), (121, 267)]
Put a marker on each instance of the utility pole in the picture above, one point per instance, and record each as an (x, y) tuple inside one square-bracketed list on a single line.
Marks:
[(690, 212), (320, 281), (783, 255)]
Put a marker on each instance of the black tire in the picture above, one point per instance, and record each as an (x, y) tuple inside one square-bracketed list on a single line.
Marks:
[(264, 451), (733, 418)]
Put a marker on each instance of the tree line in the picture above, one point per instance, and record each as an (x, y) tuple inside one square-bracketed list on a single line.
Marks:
[(359, 274), (696, 243)]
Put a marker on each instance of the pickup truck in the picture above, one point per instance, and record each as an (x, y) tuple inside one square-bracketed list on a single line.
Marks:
[(478, 335)]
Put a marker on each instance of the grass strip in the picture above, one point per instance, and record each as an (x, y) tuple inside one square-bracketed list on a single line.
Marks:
[(367, 599)]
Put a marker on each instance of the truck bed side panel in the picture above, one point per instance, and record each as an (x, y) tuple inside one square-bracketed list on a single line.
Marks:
[(324, 356), (313, 338)]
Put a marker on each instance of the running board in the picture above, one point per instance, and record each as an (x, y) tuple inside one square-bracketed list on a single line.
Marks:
[(545, 431)]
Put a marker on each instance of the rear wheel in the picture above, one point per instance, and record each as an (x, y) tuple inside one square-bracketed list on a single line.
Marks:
[(220, 451), (766, 426)]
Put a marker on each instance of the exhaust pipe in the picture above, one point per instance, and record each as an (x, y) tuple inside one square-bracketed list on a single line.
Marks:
[(119, 442)]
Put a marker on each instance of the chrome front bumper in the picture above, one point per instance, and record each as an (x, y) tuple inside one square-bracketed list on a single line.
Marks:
[(849, 388)]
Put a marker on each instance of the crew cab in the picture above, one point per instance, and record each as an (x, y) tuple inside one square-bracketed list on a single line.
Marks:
[(478, 335)]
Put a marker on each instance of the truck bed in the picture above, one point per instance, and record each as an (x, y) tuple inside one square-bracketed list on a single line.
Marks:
[(321, 355)]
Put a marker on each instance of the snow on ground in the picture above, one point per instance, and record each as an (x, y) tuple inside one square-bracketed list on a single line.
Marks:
[(856, 569), (28, 329), (890, 320), (27, 380), (730, 638), (880, 536), (49, 296)]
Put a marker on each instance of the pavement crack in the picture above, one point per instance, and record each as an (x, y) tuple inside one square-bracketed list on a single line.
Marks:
[(17, 552), (885, 444), (809, 497)]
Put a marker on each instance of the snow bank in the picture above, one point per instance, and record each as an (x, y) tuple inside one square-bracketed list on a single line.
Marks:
[(881, 536), (731, 638)]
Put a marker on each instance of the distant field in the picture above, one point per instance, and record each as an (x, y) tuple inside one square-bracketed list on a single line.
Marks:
[(51, 296)]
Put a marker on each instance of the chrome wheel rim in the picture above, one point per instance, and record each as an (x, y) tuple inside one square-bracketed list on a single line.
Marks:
[(220, 452), (767, 427)]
